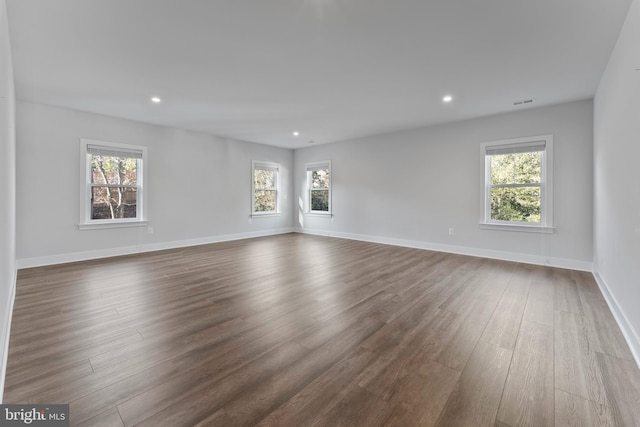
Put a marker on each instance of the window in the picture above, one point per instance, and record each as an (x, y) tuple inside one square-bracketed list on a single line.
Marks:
[(518, 190), (319, 187), (112, 185), (265, 188)]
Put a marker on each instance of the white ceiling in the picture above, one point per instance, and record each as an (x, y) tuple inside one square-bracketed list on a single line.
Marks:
[(257, 70)]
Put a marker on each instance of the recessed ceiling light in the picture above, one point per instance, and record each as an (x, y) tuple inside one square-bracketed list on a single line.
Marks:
[(296, 133), (156, 99), (447, 98)]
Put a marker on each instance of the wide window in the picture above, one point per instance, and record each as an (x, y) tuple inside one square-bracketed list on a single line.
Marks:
[(319, 187), (518, 183), (112, 185), (265, 188)]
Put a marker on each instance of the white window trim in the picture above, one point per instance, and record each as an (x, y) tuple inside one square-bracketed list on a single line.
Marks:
[(546, 225), (85, 222), (255, 164), (309, 167)]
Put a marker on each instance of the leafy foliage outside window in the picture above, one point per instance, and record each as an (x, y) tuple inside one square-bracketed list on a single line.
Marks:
[(114, 187), (516, 187), (265, 193), (319, 190)]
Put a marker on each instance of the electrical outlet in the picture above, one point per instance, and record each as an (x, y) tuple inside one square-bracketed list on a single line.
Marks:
[(149, 230), (452, 231)]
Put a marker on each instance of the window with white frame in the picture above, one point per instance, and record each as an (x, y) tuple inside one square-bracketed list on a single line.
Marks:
[(518, 184), (319, 187), (112, 192), (265, 188)]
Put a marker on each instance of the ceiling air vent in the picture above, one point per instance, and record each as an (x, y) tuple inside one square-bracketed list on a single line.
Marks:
[(523, 102)]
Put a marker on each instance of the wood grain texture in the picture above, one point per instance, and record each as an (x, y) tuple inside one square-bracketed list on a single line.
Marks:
[(540, 302), (502, 329), (567, 296), (421, 395), (109, 418), (623, 397), (574, 411), (309, 405), (604, 334), (576, 367), (527, 399), (297, 330), (475, 398)]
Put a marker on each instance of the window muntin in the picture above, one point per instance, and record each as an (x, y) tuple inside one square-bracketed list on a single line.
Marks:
[(112, 191), (265, 188), (319, 187), (518, 186)]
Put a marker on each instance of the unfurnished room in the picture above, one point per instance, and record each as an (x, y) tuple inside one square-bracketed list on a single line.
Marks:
[(319, 213)]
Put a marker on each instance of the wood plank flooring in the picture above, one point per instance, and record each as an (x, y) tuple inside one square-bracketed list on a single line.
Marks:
[(297, 330)]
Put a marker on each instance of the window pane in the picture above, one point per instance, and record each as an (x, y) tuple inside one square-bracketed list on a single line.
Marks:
[(113, 170), (320, 178), (265, 201), (515, 204), (113, 202), (264, 179), (522, 168), (320, 200)]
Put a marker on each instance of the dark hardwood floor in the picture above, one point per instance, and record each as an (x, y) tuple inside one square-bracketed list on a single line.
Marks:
[(298, 330)]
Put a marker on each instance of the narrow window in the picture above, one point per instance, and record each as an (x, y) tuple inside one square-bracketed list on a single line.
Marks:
[(265, 188), (319, 187)]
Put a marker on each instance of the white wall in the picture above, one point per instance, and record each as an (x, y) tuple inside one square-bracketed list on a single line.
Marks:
[(410, 187), (617, 180), (199, 186), (7, 190)]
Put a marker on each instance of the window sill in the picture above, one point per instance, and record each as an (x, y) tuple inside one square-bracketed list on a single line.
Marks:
[(319, 214), (266, 214), (518, 227), (119, 224)]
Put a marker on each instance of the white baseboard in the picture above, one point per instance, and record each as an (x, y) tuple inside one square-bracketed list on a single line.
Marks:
[(628, 331), (571, 264), (5, 333), (128, 250)]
